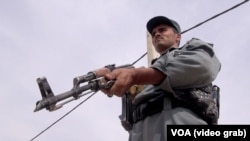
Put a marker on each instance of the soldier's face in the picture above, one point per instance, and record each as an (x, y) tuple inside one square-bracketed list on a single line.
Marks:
[(164, 37)]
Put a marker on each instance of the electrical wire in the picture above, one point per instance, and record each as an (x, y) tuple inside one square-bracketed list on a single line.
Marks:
[(191, 28), (199, 24), (63, 116), (215, 16)]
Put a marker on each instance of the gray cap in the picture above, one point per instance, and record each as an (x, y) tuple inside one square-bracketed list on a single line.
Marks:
[(155, 21)]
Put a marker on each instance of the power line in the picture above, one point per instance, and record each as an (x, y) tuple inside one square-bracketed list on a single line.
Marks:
[(199, 24), (62, 116), (191, 28), (215, 16)]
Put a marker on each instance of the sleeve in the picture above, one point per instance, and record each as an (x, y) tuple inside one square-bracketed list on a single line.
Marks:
[(193, 65)]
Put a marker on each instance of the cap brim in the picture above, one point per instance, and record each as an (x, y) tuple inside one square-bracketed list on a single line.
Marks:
[(152, 23)]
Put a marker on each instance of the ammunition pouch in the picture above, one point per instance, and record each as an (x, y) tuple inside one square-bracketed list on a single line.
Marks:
[(203, 101)]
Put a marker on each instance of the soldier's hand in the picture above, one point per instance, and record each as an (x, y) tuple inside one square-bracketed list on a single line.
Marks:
[(123, 80)]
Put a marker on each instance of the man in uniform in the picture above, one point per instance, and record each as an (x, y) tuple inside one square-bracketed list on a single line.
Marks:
[(168, 82)]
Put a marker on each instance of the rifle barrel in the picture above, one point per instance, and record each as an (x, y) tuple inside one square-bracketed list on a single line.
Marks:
[(49, 103)]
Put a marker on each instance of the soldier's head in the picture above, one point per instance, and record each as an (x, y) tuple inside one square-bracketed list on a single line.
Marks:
[(165, 33)]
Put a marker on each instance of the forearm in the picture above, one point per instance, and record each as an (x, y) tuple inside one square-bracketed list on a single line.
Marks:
[(144, 76), (125, 78)]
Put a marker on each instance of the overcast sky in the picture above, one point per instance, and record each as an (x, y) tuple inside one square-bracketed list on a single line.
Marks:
[(62, 39)]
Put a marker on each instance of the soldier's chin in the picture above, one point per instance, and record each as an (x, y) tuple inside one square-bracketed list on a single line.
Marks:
[(161, 48)]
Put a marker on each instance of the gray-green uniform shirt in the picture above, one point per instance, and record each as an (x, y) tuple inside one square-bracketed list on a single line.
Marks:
[(193, 65)]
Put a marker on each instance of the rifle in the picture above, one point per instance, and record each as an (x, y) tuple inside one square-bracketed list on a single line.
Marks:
[(95, 81)]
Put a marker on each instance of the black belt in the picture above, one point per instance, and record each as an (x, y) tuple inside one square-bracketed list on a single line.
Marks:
[(147, 109), (156, 105)]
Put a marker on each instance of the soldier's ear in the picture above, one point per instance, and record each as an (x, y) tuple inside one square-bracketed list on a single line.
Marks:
[(178, 38)]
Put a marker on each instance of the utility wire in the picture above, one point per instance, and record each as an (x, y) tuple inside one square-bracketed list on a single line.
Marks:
[(215, 16), (63, 116), (199, 24), (191, 28), (139, 59)]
